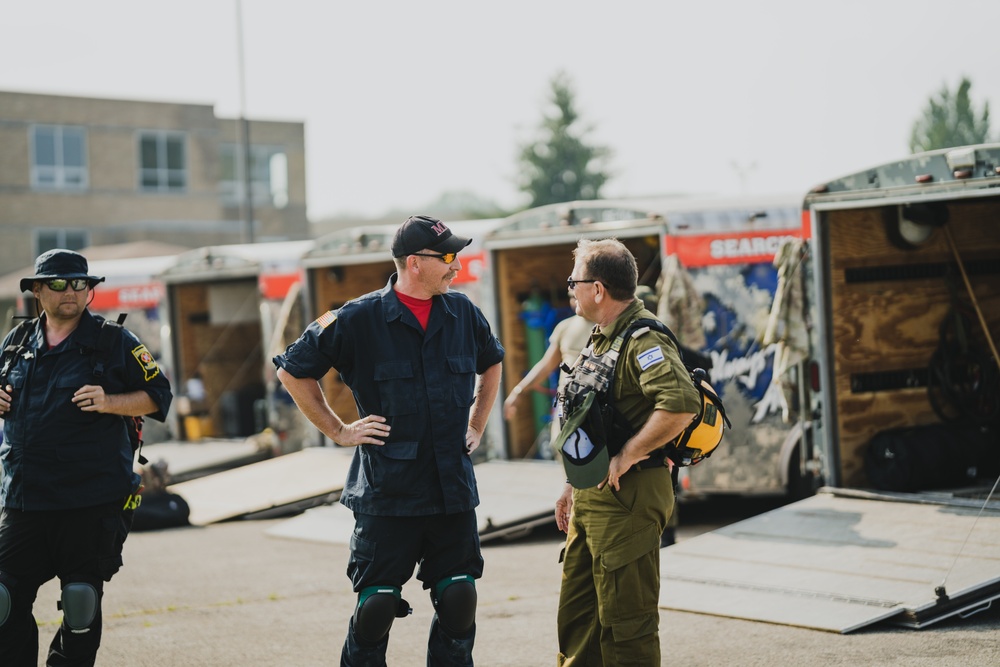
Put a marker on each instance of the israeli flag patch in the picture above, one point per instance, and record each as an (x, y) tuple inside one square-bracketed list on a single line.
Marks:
[(653, 355)]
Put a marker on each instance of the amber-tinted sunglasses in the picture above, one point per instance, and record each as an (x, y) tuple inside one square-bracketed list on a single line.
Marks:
[(447, 258)]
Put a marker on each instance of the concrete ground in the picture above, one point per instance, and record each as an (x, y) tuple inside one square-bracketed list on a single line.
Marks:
[(229, 595)]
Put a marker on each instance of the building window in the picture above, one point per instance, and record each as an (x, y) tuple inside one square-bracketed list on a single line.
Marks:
[(59, 157), (268, 175), (71, 239), (162, 163)]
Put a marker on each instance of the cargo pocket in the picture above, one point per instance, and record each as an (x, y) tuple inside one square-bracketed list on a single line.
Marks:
[(117, 525), (391, 466), (629, 590), (359, 564)]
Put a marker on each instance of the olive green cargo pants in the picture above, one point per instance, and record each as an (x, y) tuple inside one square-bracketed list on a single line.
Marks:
[(608, 602)]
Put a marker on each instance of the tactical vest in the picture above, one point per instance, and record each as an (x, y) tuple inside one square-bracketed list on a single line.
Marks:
[(107, 341), (595, 373)]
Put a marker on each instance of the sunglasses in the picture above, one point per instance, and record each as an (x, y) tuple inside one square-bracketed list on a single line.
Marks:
[(447, 258), (60, 284), (573, 283)]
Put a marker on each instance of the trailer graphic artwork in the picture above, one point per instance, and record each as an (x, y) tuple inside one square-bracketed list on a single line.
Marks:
[(735, 275), (708, 263)]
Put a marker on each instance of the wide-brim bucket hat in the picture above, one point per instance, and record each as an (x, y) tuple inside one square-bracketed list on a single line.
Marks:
[(60, 263)]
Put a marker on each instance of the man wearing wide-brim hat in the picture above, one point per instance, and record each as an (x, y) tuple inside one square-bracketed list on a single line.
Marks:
[(68, 382), (60, 264)]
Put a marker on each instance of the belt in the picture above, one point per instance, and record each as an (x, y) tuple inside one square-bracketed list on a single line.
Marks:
[(657, 459)]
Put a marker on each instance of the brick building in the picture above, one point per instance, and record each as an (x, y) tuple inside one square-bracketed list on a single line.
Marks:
[(78, 172)]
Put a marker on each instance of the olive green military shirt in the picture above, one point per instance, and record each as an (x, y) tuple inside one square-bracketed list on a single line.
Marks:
[(649, 375)]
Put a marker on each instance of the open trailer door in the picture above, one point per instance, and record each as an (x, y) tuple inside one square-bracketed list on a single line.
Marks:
[(898, 254)]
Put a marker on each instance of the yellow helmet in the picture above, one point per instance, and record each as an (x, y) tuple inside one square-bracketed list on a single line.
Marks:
[(704, 433)]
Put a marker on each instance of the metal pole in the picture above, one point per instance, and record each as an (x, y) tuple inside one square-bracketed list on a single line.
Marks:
[(245, 127)]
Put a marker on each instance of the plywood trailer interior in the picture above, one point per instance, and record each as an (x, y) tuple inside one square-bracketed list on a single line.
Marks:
[(219, 338), (887, 304), (543, 269), (332, 287)]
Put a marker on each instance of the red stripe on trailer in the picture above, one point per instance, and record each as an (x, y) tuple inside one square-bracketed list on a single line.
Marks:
[(473, 266), (107, 297), (745, 247), (276, 285)]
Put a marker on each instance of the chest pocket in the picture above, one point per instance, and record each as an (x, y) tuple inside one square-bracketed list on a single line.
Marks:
[(16, 377), (463, 370), (72, 379), (396, 388), (64, 411), (16, 380)]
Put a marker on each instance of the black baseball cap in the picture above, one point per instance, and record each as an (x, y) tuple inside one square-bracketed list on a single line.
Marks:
[(422, 232), (60, 263)]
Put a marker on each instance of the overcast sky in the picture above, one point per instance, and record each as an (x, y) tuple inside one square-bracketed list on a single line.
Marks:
[(405, 100)]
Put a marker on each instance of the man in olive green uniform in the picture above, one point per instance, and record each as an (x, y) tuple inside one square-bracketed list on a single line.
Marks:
[(608, 612)]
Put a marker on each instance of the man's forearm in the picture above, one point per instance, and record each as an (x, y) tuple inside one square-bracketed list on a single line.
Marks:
[(487, 387), (308, 396), (133, 404), (661, 427)]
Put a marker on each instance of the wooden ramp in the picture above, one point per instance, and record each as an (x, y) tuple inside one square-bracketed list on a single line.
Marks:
[(838, 563), (515, 497), (284, 484), (189, 460)]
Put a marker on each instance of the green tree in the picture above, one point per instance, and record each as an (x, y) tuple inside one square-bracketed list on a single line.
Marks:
[(950, 120), (559, 165)]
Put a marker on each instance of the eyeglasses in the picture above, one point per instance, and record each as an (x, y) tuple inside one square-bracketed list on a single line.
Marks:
[(447, 258), (60, 284), (572, 283)]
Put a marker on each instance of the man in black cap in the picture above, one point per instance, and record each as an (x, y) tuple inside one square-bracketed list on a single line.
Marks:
[(67, 384), (424, 368)]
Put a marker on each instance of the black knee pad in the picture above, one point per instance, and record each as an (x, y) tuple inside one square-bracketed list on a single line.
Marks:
[(455, 600), (377, 607), (7, 586), (80, 602)]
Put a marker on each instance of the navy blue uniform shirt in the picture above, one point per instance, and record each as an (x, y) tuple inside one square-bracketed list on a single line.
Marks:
[(56, 456), (423, 383)]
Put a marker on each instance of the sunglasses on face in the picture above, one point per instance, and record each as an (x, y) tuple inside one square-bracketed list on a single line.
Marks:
[(447, 258), (572, 283), (60, 284)]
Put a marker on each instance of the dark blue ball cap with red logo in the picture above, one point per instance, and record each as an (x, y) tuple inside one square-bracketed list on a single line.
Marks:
[(422, 232)]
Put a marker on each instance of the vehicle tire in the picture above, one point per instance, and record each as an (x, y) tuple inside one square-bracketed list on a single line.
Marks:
[(799, 485)]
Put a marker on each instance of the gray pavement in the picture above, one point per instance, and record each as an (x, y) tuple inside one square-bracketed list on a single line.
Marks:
[(229, 595)]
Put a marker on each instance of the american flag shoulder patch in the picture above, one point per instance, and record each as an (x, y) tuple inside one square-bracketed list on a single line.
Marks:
[(326, 319)]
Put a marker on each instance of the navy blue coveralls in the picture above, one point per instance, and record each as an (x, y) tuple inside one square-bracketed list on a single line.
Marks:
[(413, 497), (66, 474)]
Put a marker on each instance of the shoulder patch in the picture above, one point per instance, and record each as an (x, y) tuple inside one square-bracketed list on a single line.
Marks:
[(653, 355), (326, 319), (145, 359)]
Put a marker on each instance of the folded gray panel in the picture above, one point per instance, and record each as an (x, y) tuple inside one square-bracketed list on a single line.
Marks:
[(835, 563), (515, 496), (288, 480), (189, 460)]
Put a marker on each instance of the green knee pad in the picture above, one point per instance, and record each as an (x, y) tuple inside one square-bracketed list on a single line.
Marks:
[(377, 607), (455, 600)]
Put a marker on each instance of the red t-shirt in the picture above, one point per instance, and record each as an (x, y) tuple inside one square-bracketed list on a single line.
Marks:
[(421, 308)]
